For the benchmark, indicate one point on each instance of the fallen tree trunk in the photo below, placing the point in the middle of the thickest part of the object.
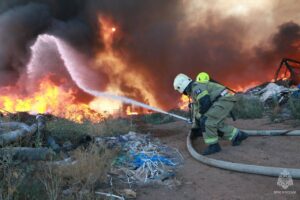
(3, 130)
(27, 153)
(16, 135)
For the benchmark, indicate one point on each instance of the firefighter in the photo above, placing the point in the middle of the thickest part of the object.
(211, 105)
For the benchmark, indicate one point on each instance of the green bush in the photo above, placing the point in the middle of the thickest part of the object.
(111, 127)
(294, 104)
(63, 129)
(157, 118)
(248, 107)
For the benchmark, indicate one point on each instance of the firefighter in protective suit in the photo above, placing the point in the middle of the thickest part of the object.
(211, 105)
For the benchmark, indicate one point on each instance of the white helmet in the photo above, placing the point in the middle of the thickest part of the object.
(181, 81)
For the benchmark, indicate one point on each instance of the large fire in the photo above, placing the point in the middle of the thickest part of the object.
(52, 98)
(57, 100)
(49, 98)
(114, 64)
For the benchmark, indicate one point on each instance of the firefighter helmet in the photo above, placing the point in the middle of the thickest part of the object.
(181, 82)
(202, 77)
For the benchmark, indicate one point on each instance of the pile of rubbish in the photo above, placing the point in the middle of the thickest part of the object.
(273, 92)
(142, 160)
(286, 84)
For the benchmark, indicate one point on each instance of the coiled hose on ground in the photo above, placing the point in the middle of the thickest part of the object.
(246, 168)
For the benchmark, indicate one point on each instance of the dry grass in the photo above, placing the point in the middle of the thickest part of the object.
(11, 176)
(111, 127)
(92, 162)
(90, 168)
(82, 177)
(64, 130)
(51, 181)
(79, 178)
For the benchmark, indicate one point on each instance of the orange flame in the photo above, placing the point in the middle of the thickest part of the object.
(130, 112)
(49, 98)
(114, 64)
(55, 100)
(184, 102)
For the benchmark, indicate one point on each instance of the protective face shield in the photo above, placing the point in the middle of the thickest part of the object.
(181, 82)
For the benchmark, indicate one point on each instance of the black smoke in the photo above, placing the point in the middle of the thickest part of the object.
(154, 40)
(18, 26)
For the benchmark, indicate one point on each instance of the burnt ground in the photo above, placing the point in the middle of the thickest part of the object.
(199, 181)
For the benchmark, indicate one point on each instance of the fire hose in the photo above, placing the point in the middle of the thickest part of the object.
(247, 168)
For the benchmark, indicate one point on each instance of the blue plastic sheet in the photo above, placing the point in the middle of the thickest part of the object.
(140, 159)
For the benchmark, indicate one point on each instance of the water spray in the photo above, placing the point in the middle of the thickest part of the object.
(76, 68)
(133, 102)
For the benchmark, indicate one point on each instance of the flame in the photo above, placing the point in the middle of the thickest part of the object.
(106, 106)
(114, 64)
(59, 101)
(49, 98)
(130, 112)
(184, 102)
(244, 88)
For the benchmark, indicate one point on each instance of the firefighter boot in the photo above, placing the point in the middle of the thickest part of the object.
(211, 149)
(239, 138)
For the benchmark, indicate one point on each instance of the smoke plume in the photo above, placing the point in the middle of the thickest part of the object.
(237, 42)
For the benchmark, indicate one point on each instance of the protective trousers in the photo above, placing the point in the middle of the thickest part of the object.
(215, 122)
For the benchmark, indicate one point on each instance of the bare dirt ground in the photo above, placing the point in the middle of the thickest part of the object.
(199, 181)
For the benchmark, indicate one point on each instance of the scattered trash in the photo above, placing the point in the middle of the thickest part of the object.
(296, 93)
(110, 195)
(66, 161)
(283, 86)
(129, 193)
(272, 90)
(269, 93)
(143, 160)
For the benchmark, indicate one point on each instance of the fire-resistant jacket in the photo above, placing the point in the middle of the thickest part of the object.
(206, 95)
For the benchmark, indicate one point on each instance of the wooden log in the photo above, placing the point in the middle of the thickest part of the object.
(27, 153)
(16, 135)
(13, 125)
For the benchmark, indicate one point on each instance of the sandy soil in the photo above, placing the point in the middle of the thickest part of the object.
(199, 181)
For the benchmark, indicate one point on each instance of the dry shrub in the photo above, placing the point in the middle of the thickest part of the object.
(63, 129)
(90, 168)
(51, 181)
(248, 107)
(294, 104)
(111, 127)
(11, 176)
